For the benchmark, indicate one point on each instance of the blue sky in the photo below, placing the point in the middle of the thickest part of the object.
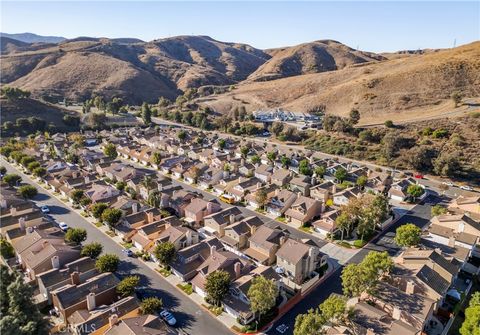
(373, 26)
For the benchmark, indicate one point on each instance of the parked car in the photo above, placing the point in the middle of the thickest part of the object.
(448, 183)
(168, 317)
(418, 176)
(128, 252)
(466, 188)
(45, 209)
(63, 226)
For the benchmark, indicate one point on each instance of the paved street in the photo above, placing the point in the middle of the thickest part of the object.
(192, 319)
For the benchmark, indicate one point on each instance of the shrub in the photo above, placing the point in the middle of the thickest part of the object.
(107, 263)
(27, 191)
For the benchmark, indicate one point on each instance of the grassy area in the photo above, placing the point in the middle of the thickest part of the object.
(98, 224)
(359, 243)
(345, 244)
(281, 219)
(216, 310)
(84, 214)
(260, 210)
(164, 272)
(187, 288)
(111, 233)
(127, 245)
(308, 230)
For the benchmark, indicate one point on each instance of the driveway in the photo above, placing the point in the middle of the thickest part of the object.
(191, 319)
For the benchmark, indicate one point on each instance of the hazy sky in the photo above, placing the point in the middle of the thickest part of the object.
(373, 26)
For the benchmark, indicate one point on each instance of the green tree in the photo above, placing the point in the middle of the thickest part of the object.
(120, 185)
(244, 151)
(334, 309)
(27, 160)
(447, 164)
(255, 159)
(354, 116)
(76, 235)
(285, 162)
(146, 114)
(389, 124)
(261, 197)
(222, 144)
(182, 135)
(457, 98)
(156, 158)
(39, 172)
(97, 209)
(112, 217)
(12, 179)
(151, 305)
(154, 198)
(304, 167)
(262, 295)
(6, 249)
(27, 191)
(415, 191)
(107, 263)
(310, 323)
(341, 174)
(408, 235)
(272, 155)
(217, 286)
(343, 223)
(276, 128)
(22, 316)
(362, 181)
(92, 250)
(164, 252)
(110, 150)
(32, 166)
(471, 324)
(127, 286)
(438, 210)
(76, 195)
(320, 171)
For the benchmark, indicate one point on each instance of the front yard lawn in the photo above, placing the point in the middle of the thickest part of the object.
(127, 245)
(164, 272)
(187, 288)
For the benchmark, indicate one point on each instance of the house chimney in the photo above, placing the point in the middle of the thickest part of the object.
(91, 301)
(253, 229)
(226, 174)
(410, 288)
(3, 203)
(396, 313)
(149, 217)
(277, 191)
(213, 248)
(240, 179)
(87, 179)
(242, 162)
(13, 210)
(209, 207)
(21, 222)
(113, 320)
(237, 267)
(135, 206)
(55, 262)
(451, 241)
(283, 239)
(75, 278)
(259, 185)
(188, 236)
(232, 218)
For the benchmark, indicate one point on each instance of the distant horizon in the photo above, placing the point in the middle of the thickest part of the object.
(376, 26)
(216, 39)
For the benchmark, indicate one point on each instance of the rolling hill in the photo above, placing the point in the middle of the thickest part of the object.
(397, 89)
(33, 38)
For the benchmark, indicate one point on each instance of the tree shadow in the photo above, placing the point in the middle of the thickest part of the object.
(41, 197)
(57, 210)
(169, 300)
(184, 320)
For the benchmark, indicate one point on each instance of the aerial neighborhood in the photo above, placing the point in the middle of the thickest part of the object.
(245, 230)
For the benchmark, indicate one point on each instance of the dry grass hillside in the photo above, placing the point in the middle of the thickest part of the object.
(314, 57)
(396, 89)
(137, 71)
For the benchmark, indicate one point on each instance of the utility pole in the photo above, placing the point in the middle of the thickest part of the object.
(454, 42)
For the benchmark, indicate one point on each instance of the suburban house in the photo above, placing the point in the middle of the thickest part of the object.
(298, 261)
(264, 244)
(459, 223)
(301, 184)
(95, 292)
(324, 191)
(199, 208)
(342, 198)
(243, 187)
(280, 202)
(215, 223)
(264, 173)
(180, 236)
(40, 250)
(466, 204)
(190, 258)
(100, 192)
(398, 190)
(137, 325)
(326, 224)
(303, 210)
(281, 177)
(236, 235)
(219, 260)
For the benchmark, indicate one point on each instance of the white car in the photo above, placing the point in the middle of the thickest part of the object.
(168, 317)
(448, 183)
(63, 226)
(45, 209)
(466, 188)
